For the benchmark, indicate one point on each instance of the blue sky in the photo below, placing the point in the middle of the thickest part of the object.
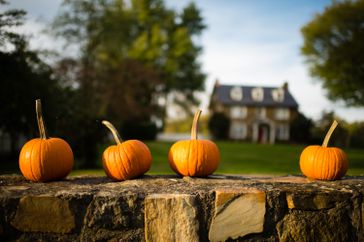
(247, 42)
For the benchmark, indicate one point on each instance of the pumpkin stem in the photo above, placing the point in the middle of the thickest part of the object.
(41, 126)
(195, 125)
(329, 133)
(113, 130)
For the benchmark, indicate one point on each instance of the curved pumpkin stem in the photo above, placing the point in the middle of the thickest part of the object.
(41, 126)
(194, 128)
(329, 133)
(113, 130)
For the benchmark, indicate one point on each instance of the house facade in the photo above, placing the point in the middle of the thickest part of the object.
(258, 114)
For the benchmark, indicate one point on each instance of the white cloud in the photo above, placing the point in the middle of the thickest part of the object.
(41, 40)
(254, 51)
(37, 9)
(38, 39)
(266, 66)
(246, 42)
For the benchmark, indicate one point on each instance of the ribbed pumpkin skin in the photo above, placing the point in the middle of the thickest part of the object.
(46, 159)
(195, 158)
(323, 163)
(127, 160)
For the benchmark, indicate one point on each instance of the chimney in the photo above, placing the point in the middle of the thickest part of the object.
(285, 86)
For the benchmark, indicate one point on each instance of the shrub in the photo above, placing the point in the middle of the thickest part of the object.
(219, 126)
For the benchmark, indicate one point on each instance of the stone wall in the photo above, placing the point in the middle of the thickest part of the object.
(169, 208)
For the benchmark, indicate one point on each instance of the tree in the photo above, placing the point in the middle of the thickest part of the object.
(334, 49)
(115, 33)
(357, 135)
(300, 129)
(340, 137)
(133, 54)
(219, 126)
(9, 19)
(24, 78)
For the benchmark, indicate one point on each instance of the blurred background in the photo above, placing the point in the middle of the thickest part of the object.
(147, 65)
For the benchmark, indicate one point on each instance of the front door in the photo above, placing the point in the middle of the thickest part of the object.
(263, 133)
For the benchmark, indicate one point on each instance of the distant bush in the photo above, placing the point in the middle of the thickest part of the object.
(142, 130)
(357, 135)
(219, 126)
(339, 138)
(300, 129)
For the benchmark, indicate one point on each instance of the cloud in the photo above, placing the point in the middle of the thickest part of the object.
(247, 42)
(38, 39)
(242, 46)
(44, 10)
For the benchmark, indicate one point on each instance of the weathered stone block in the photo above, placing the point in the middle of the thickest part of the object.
(237, 213)
(332, 225)
(114, 212)
(362, 217)
(315, 201)
(43, 214)
(171, 217)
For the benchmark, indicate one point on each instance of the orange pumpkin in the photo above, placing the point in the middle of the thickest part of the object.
(322, 162)
(125, 160)
(196, 158)
(45, 159)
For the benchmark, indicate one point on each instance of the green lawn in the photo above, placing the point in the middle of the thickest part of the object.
(247, 158)
(236, 158)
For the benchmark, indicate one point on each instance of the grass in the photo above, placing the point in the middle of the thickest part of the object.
(243, 158)
(239, 158)
(249, 158)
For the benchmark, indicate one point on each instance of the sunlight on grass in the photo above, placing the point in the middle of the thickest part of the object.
(236, 158)
(245, 158)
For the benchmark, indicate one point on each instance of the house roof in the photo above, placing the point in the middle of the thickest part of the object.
(222, 94)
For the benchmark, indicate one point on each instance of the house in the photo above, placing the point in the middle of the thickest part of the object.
(258, 114)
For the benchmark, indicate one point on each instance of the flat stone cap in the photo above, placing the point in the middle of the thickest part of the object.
(16, 185)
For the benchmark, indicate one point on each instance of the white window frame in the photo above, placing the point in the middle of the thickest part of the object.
(257, 94)
(236, 93)
(238, 112)
(282, 113)
(278, 94)
(238, 130)
(282, 132)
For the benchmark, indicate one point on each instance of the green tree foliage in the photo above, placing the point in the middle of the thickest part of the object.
(339, 138)
(219, 126)
(133, 54)
(300, 129)
(334, 49)
(24, 78)
(145, 34)
(357, 135)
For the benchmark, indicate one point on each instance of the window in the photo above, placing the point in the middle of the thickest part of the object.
(238, 112)
(278, 94)
(282, 113)
(260, 112)
(238, 130)
(282, 132)
(236, 93)
(258, 94)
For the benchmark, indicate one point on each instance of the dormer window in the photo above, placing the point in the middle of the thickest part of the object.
(278, 94)
(236, 93)
(257, 94)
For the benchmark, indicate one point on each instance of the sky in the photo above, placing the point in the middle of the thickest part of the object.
(247, 42)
